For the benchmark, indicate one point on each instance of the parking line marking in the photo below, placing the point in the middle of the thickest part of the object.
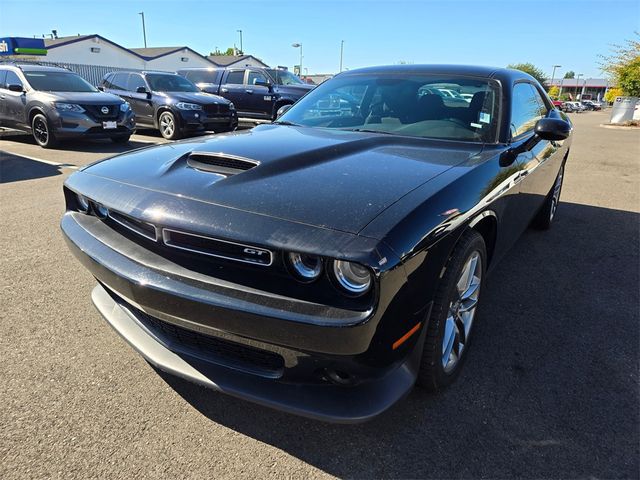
(41, 160)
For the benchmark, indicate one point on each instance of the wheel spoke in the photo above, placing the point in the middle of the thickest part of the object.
(448, 340)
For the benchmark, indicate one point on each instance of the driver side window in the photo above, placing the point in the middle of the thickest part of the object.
(255, 77)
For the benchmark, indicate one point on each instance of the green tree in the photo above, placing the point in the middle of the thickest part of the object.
(570, 74)
(623, 66)
(229, 51)
(629, 78)
(531, 69)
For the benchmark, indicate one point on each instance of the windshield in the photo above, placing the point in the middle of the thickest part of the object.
(401, 104)
(284, 77)
(58, 82)
(159, 82)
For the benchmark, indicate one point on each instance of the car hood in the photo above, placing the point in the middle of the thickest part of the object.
(85, 98)
(295, 89)
(325, 178)
(200, 98)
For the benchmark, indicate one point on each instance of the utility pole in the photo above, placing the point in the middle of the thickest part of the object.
(144, 31)
(299, 45)
(553, 74)
(578, 84)
(341, 52)
(241, 49)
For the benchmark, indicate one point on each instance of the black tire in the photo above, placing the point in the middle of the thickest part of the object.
(432, 375)
(169, 126)
(122, 139)
(41, 131)
(547, 213)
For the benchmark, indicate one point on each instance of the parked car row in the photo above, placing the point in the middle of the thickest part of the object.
(578, 107)
(54, 103)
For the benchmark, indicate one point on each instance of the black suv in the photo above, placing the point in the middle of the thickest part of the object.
(258, 93)
(171, 103)
(54, 103)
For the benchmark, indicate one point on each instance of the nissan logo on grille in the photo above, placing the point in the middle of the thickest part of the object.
(105, 110)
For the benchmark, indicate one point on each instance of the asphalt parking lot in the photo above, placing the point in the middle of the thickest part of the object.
(550, 388)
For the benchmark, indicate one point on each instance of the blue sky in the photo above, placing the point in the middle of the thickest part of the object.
(375, 32)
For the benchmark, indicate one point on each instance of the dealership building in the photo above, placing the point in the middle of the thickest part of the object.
(582, 88)
(93, 56)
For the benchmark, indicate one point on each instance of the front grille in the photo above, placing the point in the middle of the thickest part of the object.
(141, 228)
(218, 163)
(95, 111)
(216, 109)
(216, 247)
(212, 349)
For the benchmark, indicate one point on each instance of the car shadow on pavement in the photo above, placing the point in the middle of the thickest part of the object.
(81, 145)
(14, 168)
(550, 388)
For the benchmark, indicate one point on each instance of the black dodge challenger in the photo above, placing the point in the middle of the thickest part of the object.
(324, 263)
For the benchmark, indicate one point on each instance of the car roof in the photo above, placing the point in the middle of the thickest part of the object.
(506, 75)
(28, 67)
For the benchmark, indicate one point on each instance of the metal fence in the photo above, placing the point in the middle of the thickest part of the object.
(91, 73)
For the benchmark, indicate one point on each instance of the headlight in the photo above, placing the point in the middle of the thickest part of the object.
(83, 203)
(306, 267)
(353, 277)
(188, 106)
(124, 107)
(68, 107)
(231, 106)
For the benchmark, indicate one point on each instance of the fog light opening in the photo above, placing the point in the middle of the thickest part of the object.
(339, 377)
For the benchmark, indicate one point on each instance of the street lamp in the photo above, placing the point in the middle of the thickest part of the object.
(241, 49)
(341, 51)
(144, 31)
(578, 83)
(553, 74)
(299, 45)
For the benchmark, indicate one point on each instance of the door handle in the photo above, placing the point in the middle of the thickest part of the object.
(224, 90)
(249, 91)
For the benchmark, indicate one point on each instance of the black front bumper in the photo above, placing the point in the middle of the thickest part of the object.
(310, 338)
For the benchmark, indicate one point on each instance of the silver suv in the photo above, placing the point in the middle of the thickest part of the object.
(53, 104)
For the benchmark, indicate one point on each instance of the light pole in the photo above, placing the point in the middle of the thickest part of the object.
(553, 75)
(299, 45)
(144, 31)
(341, 52)
(241, 49)
(578, 83)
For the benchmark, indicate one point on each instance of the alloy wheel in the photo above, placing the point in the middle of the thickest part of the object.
(167, 124)
(40, 130)
(462, 310)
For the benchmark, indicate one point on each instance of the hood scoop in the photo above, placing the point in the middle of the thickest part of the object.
(220, 163)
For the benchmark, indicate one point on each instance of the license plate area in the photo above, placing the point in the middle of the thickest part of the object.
(109, 125)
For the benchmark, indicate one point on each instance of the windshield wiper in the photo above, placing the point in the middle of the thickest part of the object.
(365, 130)
(290, 124)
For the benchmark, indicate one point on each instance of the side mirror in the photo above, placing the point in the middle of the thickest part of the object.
(552, 129)
(141, 90)
(14, 87)
(283, 109)
(101, 88)
(261, 83)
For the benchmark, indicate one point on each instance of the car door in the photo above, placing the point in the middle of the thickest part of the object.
(233, 88)
(141, 103)
(543, 169)
(14, 109)
(260, 99)
(526, 110)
